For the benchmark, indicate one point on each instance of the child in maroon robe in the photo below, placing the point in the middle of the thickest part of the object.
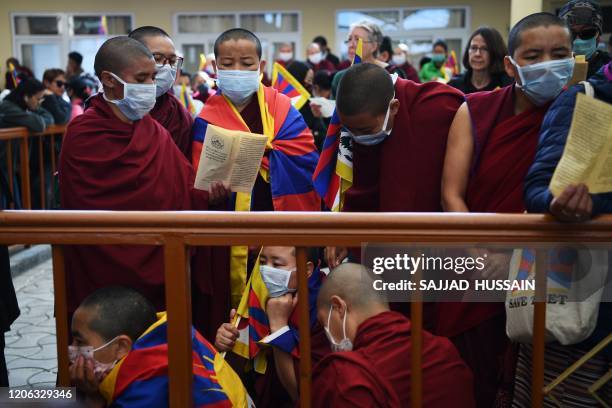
(491, 145)
(371, 365)
(168, 111)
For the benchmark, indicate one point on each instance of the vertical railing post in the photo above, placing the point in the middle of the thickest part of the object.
(416, 345)
(53, 159)
(304, 318)
(24, 166)
(10, 170)
(41, 172)
(61, 315)
(178, 306)
(539, 330)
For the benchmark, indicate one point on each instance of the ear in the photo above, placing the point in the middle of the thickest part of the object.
(338, 304)
(510, 68)
(394, 107)
(124, 346)
(309, 268)
(107, 80)
(262, 66)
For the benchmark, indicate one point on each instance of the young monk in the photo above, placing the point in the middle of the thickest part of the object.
(115, 156)
(370, 366)
(119, 356)
(491, 145)
(279, 385)
(284, 182)
(168, 111)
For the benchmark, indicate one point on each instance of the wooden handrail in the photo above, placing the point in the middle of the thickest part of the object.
(176, 231)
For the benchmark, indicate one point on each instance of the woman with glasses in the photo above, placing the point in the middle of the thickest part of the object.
(54, 81)
(484, 63)
(372, 38)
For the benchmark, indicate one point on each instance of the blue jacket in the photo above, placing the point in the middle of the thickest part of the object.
(553, 135)
(537, 196)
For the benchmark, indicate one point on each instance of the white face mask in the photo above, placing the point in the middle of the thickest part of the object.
(399, 59)
(285, 56)
(166, 75)
(343, 345)
(376, 138)
(100, 369)
(315, 58)
(276, 280)
(238, 85)
(138, 99)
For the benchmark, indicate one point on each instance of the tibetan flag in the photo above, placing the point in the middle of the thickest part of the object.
(141, 378)
(103, 28)
(285, 83)
(202, 62)
(334, 173)
(452, 63)
(186, 100)
(252, 321)
(14, 74)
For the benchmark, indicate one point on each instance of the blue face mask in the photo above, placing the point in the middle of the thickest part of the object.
(166, 75)
(276, 280)
(544, 81)
(238, 85)
(138, 99)
(585, 47)
(376, 138)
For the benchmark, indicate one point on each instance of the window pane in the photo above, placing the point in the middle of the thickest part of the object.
(101, 25)
(433, 18)
(191, 53)
(387, 20)
(36, 25)
(270, 22)
(39, 57)
(87, 47)
(206, 24)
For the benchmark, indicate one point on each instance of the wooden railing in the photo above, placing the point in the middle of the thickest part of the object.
(21, 135)
(177, 231)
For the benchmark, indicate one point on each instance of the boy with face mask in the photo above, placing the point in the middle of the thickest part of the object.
(115, 156)
(491, 146)
(284, 182)
(369, 367)
(119, 356)
(168, 111)
(279, 384)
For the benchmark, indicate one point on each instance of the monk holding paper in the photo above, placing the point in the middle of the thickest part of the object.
(284, 182)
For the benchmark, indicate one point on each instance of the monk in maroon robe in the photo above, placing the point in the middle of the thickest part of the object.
(168, 111)
(371, 367)
(492, 144)
(116, 157)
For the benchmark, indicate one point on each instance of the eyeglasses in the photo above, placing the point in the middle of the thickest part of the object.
(474, 49)
(60, 84)
(585, 34)
(355, 40)
(173, 60)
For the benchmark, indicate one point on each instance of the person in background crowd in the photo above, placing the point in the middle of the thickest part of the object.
(55, 82)
(484, 63)
(371, 346)
(321, 87)
(435, 69)
(15, 72)
(22, 107)
(200, 86)
(304, 75)
(316, 60)
(386, 50)
(73, 68)
(372, 38)
(327, 54)
(574, 204)
(491, 145)
(424, 60)
(584, 18)
(286, 54)
(400, 59)
(79, 89)
(119, 356)
(168, 110)
(184, 78)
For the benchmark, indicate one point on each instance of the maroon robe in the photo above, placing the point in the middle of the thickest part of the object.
(377, 372)
(107, 164)
(172, 115)
(323, 65)
(504, 148)
(411, 72)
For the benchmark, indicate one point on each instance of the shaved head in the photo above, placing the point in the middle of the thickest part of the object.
(364, 88)
(354, 284)
(118, 53)
(147, 31)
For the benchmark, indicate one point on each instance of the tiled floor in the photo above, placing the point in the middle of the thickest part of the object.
(31, 353)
